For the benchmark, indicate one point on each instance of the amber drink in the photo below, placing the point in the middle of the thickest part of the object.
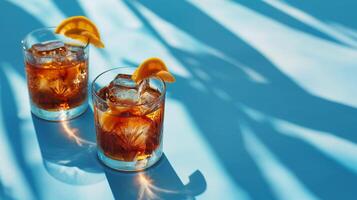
(57, 75)
(129, 119)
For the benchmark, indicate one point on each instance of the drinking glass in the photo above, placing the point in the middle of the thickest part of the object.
(57, 74)
(128, 119)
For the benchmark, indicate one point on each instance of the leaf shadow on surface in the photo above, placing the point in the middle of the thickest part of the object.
(321, 9)
(341, 12)
(5, 193)
(218, 116)
(12, 34)
(70, 8)
(15, 135)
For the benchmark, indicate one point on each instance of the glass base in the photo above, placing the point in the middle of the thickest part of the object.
(131, 166)
(59, 115)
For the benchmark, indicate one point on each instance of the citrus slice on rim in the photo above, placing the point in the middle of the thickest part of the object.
(80, 28)
(152, 67)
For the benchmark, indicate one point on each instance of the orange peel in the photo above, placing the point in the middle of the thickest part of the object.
(80, 28)
(153, 67)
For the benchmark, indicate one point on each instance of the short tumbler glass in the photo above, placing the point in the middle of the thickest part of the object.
(57, 74)
(129, 119)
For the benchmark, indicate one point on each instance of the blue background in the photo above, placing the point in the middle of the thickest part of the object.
(264, 106)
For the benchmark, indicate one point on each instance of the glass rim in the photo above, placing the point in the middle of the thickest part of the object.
(23, 41)
(94, 93)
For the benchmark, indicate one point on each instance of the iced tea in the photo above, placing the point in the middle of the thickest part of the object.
(57, 81)
(129, 120)
(57, 74)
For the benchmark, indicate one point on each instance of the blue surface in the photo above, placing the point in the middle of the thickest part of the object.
(264, 106)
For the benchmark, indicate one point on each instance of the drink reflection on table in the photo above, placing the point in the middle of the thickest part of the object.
(68, 149)
(158, 182)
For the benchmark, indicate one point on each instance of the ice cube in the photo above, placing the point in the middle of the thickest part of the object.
(123, 90)
(123, 80)
(74, 48)
(103, 93)
(48, 52)
(149, 96)
(49, 49)
(148, 102)
(143, 85)
(118, 94)
(75, 52)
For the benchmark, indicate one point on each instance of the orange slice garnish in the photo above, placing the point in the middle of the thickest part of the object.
(80, 28)
(152, 67)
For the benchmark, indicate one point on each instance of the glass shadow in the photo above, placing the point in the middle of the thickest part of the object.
(68, 149)
(158, 182)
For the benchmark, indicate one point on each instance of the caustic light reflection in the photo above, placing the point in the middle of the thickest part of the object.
(73, 133)
(147, 189)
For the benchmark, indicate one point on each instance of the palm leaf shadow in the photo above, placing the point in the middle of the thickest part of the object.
(14, 134)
